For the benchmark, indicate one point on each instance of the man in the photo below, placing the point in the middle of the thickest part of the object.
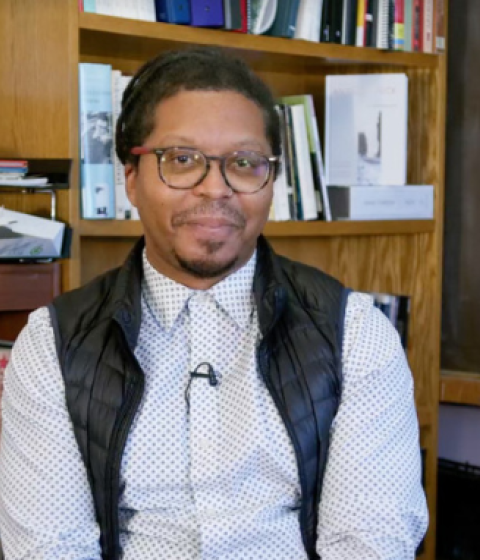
(185, 405)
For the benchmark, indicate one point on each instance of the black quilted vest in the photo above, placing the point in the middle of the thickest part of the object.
(301, 312)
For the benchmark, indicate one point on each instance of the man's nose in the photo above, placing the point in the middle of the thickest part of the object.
(214, 185)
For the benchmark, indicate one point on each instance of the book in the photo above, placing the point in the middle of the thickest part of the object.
(281, 190)
(173, 11)
(308, 22)
(417, 25)
(383, 24)
(316, 154)
(123, 207)
(288, 158)
(285, 19)
(366, 129)
(428, 17)
(207, 13)
(308, 205)
(96, 141)
(262, 14)
(399, 26)
(232, 11)
(336, 21)
(440, 26)
(360, 32)
(358, 202)
(408, 25)
(349, 22)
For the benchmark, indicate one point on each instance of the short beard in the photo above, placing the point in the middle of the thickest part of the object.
(207, 268)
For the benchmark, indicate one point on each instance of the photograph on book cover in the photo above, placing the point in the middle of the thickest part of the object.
(97, 137)
(369, 146)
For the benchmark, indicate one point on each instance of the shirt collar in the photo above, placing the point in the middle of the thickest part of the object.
(167, 299)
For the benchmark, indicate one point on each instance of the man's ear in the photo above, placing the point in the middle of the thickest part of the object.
(131, 183)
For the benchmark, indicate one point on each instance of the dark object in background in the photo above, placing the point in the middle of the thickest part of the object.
(458, 511)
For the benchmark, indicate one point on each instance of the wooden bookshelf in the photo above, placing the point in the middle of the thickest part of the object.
(43, 43)
(128, 228)
(459, 387)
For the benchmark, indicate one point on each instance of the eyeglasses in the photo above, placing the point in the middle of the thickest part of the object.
(185, 168)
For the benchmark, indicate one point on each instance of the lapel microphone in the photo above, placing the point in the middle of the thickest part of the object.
(205, 370)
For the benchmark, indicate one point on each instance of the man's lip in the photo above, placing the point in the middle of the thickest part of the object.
(210, 222)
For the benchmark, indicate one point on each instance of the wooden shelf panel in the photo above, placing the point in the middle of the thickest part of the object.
(425, 417)
(460, 388)
(120, 228)
(107, 32)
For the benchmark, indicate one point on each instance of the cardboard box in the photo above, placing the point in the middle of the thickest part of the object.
(30, 237)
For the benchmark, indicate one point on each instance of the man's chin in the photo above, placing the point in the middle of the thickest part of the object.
(207, 266)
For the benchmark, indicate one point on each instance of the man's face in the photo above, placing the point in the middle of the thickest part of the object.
(198, 236)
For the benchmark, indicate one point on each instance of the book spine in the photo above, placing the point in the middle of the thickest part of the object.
(368, 38)
(304, 165)
(281, 191)
(428, 26)
(440, 26)
(411, 202)
(408, 25)
(360, 34)
(96, 141)
(122, 204)
(399, 29)
(89, 6)
(417, 25)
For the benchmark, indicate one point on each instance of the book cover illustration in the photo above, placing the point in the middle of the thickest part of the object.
(366, 129)
(96, 141)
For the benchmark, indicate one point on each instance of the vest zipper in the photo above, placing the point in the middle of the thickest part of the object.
(262, 357)
(132, 400)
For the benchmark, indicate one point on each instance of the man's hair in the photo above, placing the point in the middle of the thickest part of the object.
(194, 69)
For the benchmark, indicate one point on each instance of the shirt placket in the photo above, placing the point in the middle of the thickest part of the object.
(204, 415)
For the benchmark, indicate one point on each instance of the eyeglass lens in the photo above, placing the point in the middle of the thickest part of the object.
(183, 168)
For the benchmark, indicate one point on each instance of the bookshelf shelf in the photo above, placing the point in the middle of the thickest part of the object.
(118, 228)
(460, 388)
(109, 34)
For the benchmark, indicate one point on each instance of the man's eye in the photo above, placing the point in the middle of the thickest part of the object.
(243, 162)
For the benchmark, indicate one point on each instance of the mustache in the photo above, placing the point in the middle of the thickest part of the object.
(212, 209)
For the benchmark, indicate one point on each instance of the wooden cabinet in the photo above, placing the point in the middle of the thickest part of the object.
(46, 40)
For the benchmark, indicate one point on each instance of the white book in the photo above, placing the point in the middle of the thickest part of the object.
(366, 129)
(428, 26)
(281, 188)
(410, 202)
(382, 24)
(304, 165)
(123, 207)
(146, 10)
(128, 8)
(309, 20)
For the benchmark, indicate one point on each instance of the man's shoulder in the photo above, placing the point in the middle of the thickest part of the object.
(311, 284)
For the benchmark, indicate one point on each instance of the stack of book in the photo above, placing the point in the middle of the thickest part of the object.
(409, 25)
(12, 170)
(366, 150)
(102, 176)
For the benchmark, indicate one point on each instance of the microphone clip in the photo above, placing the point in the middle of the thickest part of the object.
(207, 373)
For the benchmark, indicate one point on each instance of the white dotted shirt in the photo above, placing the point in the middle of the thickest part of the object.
(218, 481)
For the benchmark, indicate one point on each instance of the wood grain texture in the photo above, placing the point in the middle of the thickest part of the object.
(459, 387)
(128, 228)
